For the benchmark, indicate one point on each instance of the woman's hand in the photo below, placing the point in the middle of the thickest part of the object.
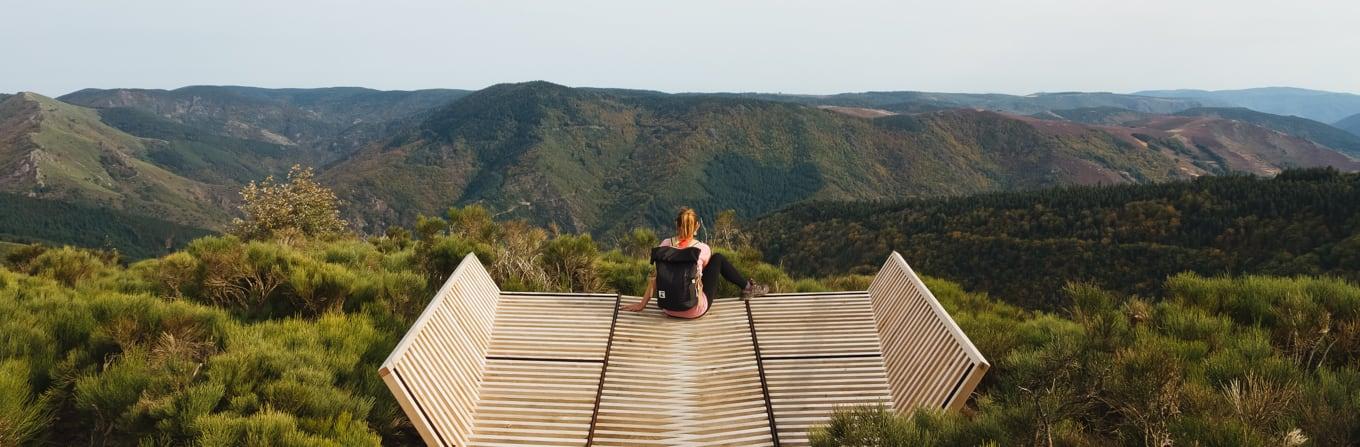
(634, 307)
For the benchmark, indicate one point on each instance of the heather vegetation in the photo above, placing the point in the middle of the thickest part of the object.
(274, 338)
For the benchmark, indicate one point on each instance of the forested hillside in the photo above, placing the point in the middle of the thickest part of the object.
(194, 153)
(605, 160)
(1022, 247)
(57, 151)
(1321, 133)
(30, 220)
(308, 118)
(1302, 128)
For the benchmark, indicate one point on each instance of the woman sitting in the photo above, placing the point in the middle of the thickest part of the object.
(710, 266)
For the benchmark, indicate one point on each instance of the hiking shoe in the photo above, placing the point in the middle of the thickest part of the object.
(754, 290)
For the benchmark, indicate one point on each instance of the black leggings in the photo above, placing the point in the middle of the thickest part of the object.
(719, 265)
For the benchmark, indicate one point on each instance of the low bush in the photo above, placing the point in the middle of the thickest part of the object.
(1220, 361)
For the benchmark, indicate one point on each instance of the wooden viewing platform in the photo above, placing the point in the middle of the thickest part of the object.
(482, 367)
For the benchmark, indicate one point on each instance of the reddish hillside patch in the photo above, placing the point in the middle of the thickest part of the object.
(858, 111)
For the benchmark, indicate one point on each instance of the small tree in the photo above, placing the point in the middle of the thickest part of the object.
(639, 243)
(301, 207)
(727, 233)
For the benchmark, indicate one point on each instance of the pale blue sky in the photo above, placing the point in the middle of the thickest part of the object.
(57, 46)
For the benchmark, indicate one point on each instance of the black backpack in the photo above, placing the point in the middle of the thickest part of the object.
(677, 277)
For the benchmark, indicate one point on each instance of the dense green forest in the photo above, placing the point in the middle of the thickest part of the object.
(1023, 247)
(30, 220)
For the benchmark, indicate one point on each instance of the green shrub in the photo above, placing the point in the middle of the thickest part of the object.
(66, 264)
(237, 275)
(106, 396)
(269, 427)
(571, 261)
(624, 274)
(473, 222)
(639, 243)
(18, 258)
(402, 293)
(518, 263)
(440, 255)
(878, 426)
(170, 275)
(22, 417)
(320, 287)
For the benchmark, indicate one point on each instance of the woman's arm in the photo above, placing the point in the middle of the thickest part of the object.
(646, 297)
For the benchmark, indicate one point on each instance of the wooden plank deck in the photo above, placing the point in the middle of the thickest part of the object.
(804, 392)
(820, 351)
(674, 382)
(483, 367)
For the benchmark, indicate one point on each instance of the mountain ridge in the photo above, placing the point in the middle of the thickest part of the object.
(918, 101)
(555, 154)
(1350, 124)
(1318, 105)
(1303, 128)
(606, 160)
(51, 149)
(303, 117)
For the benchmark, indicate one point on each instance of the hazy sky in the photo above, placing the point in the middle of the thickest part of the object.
(57, 46)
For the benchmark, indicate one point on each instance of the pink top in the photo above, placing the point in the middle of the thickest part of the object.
(705, 252)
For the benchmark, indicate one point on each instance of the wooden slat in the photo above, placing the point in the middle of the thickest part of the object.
(674, 382)
(803, 325)
(804, 392)
(930, 362)
(438, 364)
(536, 403)
(552, 326)
(820, 352)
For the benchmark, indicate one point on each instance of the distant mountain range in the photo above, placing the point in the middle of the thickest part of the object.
(911, 102)
(1317, 105)
(1350, 124)
(1322, 134)
(605, 160)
